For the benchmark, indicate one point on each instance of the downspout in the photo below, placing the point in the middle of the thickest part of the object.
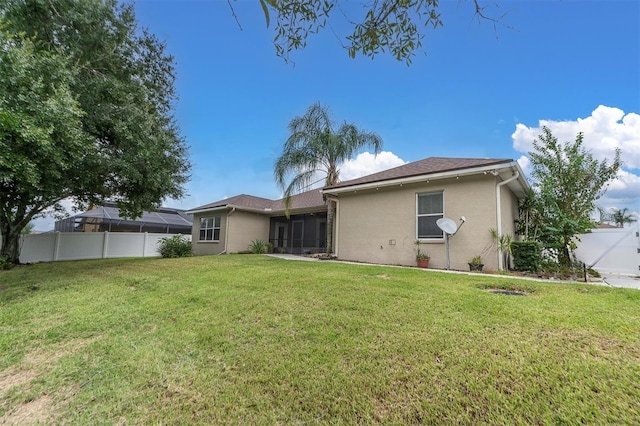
(335, 224)
(226, 232)
(499, 215)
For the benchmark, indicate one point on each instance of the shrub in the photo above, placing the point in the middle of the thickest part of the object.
(526, 255)
(259, 247)
(176, 246)
(5, 264)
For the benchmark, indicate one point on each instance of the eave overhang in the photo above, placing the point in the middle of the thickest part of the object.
(520, 186)
(264, 211)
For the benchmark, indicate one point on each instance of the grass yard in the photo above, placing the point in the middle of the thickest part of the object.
(256, 340)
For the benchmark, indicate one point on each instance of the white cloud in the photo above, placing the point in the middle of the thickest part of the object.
(364, 164)
(623, 191)
(606, 129)
(367, 163)
(525, 164)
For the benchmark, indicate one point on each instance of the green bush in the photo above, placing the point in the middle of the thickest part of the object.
(176, 246)
(5, 264)
(259, 247)
(526, 255)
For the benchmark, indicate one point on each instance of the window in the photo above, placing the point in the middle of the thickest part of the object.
(210, 228)
(430, 207)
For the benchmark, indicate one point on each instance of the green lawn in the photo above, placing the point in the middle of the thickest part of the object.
(255, 340)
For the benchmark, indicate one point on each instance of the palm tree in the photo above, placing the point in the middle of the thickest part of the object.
(314, 146)
(529, 219)
(622, 216)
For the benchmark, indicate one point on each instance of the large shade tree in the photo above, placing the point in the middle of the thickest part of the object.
(86, 112)
(567, 181)
(316, 147)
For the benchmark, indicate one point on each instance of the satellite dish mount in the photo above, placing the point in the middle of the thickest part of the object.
(449, 228)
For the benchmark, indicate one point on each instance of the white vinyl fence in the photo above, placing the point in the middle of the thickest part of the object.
(614, 250)
(88, 245)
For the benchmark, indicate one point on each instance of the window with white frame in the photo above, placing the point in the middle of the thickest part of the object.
(429, 208)
(210, 228)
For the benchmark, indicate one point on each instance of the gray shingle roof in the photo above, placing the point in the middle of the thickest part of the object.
(427, 166)
(305, 200)
(242, 200)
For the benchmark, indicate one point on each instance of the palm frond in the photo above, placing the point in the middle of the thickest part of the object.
(299, 183)
(313, 145)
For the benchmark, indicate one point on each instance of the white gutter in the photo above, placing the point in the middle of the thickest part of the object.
(266, 211)
(335, 224)
(499, 215)
(229, 206)
(226, 231)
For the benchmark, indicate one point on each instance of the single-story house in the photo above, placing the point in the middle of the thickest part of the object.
(230, 225)
(106, 217)
(379, 217)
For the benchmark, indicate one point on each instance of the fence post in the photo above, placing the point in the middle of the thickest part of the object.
(105, 244)
(144, 244)
(56, 246)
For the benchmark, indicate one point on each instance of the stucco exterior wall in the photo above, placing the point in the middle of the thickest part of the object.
(379, 226)
(243, 228)
(237, 230)
(509, 212)
(208, 247)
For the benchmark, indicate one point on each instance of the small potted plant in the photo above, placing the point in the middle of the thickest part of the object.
(475, 264)
(422, 258)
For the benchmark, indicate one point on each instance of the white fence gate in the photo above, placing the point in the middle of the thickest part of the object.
(615, 250)
(88, 245)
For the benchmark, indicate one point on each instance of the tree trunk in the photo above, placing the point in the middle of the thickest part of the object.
(331, 211)
(10, 249)
(565, 254)
(566, 257)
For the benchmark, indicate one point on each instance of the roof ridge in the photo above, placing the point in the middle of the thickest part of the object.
(247, 195)
(425, 166)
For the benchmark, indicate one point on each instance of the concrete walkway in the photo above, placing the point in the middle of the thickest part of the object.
(292, 257)
(621, 281)
(612, 280)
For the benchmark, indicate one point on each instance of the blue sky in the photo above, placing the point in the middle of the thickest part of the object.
(560, 61)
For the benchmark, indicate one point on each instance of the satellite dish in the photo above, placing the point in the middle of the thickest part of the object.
(449, 228)
(447, 225)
